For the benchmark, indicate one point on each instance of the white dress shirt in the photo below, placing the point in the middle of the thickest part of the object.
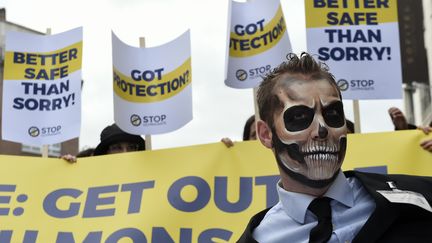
(290, 220)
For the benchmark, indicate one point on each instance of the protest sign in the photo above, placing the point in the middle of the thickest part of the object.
(258, 42)
(204, 193)
(42, 87)
(152, 86)
(359, 41)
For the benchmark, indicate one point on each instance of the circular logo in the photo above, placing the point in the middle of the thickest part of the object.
(135, 120)
(33, 131)
(241, 75)
(343, 84)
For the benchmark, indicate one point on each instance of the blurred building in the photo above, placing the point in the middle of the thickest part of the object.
(415, 28)
(11, 148)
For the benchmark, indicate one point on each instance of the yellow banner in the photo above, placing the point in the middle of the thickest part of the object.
(157, 89)
(43, 65)
(191, 194)
(323, 13)
(399, 152)
(247, 45)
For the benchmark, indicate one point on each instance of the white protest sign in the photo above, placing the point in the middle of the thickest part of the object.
(42, 87)
(152, 86)
(359, 41)
(258, 42)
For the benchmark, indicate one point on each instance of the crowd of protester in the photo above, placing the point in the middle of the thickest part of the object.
(318, 202)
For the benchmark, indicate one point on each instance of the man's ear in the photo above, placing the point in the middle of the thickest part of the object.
(264, 134)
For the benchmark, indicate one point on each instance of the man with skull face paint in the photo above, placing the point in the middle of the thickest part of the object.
(303, 122)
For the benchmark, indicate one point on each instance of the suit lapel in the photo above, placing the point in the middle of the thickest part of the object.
(253, 223)
(385, 213)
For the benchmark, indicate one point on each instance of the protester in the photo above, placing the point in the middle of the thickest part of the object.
(399, 120)
(249, 132)
(350, 126)
(400, 123)
(304, 124)
(112, 140)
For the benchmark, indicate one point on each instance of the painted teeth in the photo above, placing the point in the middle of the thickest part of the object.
(315, 148)
(321, 157)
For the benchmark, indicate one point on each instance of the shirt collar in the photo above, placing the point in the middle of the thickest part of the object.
(296, 204)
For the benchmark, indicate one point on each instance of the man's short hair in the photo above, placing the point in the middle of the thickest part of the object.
(303, 67)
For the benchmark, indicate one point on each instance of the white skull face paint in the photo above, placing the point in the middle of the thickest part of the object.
(310, 131)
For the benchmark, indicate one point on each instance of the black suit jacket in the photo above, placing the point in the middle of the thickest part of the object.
(390, 222)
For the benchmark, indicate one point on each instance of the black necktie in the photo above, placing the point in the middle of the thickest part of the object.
(323, 230)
